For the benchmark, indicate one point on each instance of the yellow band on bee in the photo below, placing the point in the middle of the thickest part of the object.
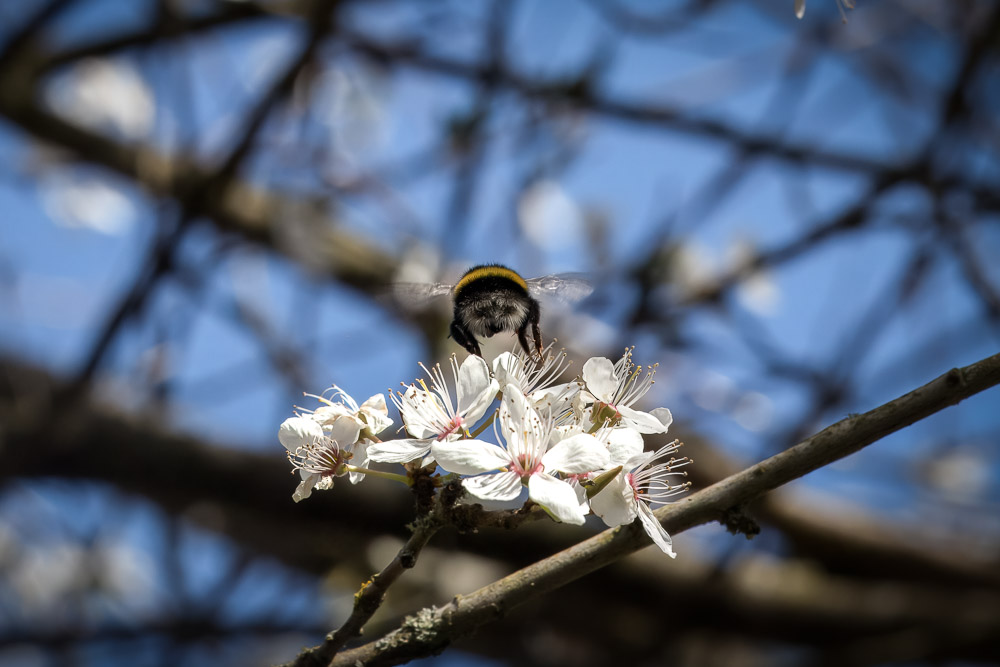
(490, 272)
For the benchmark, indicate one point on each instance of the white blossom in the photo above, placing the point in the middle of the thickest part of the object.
(537, 380)
(430, 415)
(559, 442)
(100, 93)
(640, 483)
(611, 390)
(622, 443)
(318, 452)
(372, 414)
(372, 417)
(526, 459)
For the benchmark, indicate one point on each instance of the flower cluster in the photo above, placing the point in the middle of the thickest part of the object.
(332, 440)
(572, 448)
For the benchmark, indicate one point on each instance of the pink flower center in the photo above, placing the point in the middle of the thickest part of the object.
(525, 467)
(631, 482)
(454, 426)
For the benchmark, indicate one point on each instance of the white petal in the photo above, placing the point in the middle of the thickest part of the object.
(469, 457)
(599, 374)
(643, 422)
(557, 398)
(560, 433)
(399, 451)
(377, 404)
(519, 421)
(418, 407)
(623, 443)
(655, 531)
(615, 503)
(576, 454)
(664, 416)
(582, 400)
(376, 414)
(512, 408)
(326, 414)
(305, 487)
(556, 497)
(376, 423)
(508, 369)
(498, 486)
(481, 404)
(360, 459)
(800, 8)
(344, 431)
(298, 432)
(639, 460)
(476, 389)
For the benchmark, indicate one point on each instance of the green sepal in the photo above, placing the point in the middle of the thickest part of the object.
(596, 485)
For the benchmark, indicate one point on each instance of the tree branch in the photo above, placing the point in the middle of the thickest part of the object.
(432, 629)
(369, 598)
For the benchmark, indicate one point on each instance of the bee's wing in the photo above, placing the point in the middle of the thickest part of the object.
(419, 295)
(561, 287)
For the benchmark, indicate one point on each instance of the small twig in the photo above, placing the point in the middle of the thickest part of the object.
(484, 425)
(369, 598)
(446, 511)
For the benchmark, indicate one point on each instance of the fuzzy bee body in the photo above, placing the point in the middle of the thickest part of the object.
(491, 298)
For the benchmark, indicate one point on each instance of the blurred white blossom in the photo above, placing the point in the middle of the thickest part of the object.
(352, 105)
(753, 411)
(80, 200)
(47, 575)
(549, 216)
(103, 93)
(842, 7)
(696, 268)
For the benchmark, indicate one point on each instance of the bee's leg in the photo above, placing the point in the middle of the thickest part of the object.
(522, 338)
(465, 338)
(534, 315)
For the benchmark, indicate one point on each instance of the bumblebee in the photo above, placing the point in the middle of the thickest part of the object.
(490, 298)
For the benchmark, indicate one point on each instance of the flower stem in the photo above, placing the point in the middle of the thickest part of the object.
(482, 427)
(378, 473)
